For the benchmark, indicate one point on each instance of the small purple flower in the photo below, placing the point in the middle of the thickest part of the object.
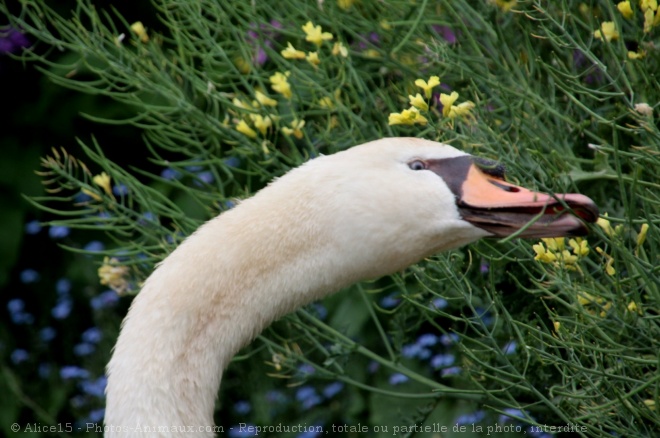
(484, 267)
(242, 407)
(19, 356)
(415, 351)
(11, 40)
(446, 32)
(29, 276)
(398, 378)
(333, 389)
(442, 360)
(16, 305)
(73, 372)
(33, 227)
(205, 177)
(17, 313)
(58, 231)
(451, 371)
(308, 397)
(373, 367)
(306, 370)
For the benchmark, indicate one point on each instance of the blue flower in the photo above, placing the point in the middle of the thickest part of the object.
(44, 370)
(16, 305)
(442, 360)
(94, 246)
(62, 309)
(33, 227)
(509, 413)
(439, 303)
(320, 310)
(16, 312)
(95, 388)
(205, 177)
(170, 174)
(242, 407)
(306, 369)
(63, 286)
(427, 340)
(58, 231)
(390, 301)
(509, 347)
(415, 350)
(308, 397)
(73, 372)
(97, 415)
(373, 367)
(83, 349)
(485, 316)
(333, 389)
(104, 300)
(47, 334)
(92, 335)
(451, 371)
(120, 190)
(232, 162)
(471, 418)
(19, 356)
(274, 396)
(29, 276)
(448, 339)
(398, 378)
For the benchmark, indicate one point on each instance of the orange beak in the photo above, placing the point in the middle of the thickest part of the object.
(487, 201)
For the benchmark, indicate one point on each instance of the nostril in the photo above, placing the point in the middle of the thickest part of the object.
(505, 187)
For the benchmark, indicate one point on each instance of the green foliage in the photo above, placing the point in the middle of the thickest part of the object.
(561, 336)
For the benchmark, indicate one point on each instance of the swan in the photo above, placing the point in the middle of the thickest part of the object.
(362, 213)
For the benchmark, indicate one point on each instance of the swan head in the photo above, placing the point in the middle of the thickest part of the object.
(394, 201)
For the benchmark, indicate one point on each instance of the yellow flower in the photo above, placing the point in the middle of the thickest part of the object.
(261, 123)
(609, 269)
(625, 9)
(407, 117)
(636, 55)
(418, 102)
(645, 5)
(291, 53)
(641, 237)
(568, 258)
(345, 4)
(313, 58)
(506, 5)
(326, 102)
(460, 110)
(632, 307)
(139, 30)
(281, 84)
(557, 326)
(111, 274)
(607, 31)
(240, 104)
(651, 19)
(103, 180)
(339, 49)
(434, 81)
(386, 25)
(604, 224)
(315, 34)
(447, 100)
(244, 128)
(650, 404)
(242, 65)
(543, 255)
(264, 100)
(295, 129)
(580, 247)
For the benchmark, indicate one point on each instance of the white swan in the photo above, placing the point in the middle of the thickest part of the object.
(362, 213)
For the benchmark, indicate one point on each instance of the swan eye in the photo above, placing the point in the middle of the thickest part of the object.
(417, 165)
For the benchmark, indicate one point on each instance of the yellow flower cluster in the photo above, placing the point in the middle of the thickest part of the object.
(315, 35)
(102, 180)
(553, 250)
(587, 300)
(649, 9)
(113, 275)
(418, 104)
(607, 32)
(259, 122)
(138, 29)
